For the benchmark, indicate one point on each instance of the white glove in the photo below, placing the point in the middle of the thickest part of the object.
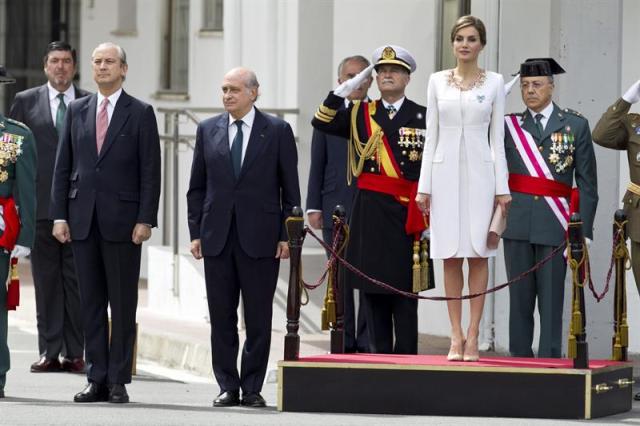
(508, 86)
(20, 251)
(347, 87)
(1, 218)
(632, 95)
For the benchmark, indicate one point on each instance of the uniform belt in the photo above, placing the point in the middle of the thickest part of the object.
(632, 187)
(405, 192)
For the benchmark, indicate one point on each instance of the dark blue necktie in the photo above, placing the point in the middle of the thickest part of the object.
(236, 149)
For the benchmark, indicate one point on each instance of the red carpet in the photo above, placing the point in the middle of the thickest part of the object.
(441, 361)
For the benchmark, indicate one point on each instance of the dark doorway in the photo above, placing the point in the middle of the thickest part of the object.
(30, 26)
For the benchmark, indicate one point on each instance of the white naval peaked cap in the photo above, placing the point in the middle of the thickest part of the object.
(395, 55)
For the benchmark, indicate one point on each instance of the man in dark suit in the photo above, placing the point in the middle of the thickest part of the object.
(328, 187)
(106, 189)
(244, 184)
(43, 109)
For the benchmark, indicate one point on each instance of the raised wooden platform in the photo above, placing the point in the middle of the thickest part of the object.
(431, 385)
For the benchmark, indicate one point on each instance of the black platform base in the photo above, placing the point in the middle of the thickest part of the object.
(429, 385)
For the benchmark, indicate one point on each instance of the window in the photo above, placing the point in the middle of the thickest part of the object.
(212, 15)
(175, 75)
(450, 11)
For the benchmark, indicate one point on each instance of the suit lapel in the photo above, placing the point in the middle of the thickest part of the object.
(220, 141)
(530, 126)
(556, 122)
(257, 141)
(119, 118)
(44, 108)
(88, 118)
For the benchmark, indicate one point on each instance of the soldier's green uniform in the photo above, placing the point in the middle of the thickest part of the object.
(617, 129)
(17, 179)
(533, 231)
(536, 221)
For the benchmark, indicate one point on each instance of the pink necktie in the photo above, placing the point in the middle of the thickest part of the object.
(102, 123)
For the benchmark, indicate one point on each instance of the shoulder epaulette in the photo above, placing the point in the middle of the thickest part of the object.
(17, 123)
(573, 112)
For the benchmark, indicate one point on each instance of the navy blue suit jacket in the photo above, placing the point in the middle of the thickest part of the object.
(32, 107)
(122, 184)
(327, 185)
(260, 199)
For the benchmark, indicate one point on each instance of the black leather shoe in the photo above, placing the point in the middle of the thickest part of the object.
(73, 365)
(227, 399)
(254, 400)
(118, 394)
(1, 393)
(94, 392)
(637, 397)
(46, 365)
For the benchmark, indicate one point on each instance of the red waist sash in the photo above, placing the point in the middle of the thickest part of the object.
(405, 192)
(11, 223)
(546, 188)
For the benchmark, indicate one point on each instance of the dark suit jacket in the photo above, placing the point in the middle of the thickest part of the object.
(122, 184)
(327, 185)
(262, 196)
(32, 107)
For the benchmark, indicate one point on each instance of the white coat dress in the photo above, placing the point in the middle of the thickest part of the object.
(464, 165)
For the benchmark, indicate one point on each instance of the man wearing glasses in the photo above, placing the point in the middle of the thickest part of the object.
(546, 148)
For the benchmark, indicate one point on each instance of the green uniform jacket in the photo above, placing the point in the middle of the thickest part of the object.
(530, 217)
(18, 179)
(619, 130)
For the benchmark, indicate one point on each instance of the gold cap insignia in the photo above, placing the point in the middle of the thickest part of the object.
(388, 53)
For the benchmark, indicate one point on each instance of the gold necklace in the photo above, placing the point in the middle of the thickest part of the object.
(477, 82)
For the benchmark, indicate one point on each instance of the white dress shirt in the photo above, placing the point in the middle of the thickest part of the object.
(546, 113)
(247, 124)
(54, 102)
(397, 104)
(113, 98)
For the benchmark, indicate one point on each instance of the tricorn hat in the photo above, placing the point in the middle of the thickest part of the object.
(540, 67)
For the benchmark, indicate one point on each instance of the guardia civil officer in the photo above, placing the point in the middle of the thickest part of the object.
(547, 147)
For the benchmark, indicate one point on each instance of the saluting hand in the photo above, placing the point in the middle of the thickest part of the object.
(424, 202)
(347, 87)
(632, 95)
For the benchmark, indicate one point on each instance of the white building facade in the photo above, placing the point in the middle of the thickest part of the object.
(179, 50)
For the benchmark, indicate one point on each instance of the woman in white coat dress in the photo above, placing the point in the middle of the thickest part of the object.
(464, 175)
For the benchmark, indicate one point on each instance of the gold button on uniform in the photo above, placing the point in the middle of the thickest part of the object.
(540, 148)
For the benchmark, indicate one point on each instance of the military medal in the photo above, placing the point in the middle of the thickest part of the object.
(562, 149)
(10, 149)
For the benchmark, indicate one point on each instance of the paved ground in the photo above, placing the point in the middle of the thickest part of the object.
(162, 394)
